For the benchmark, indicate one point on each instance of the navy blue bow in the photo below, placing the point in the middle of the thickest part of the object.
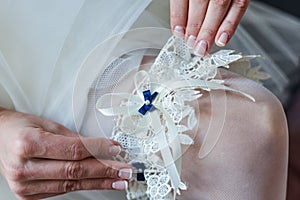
(148, 102)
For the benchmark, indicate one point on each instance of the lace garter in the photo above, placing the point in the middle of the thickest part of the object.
(150, 125)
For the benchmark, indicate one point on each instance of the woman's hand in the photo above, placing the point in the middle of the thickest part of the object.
(40, 158)
(202, 22)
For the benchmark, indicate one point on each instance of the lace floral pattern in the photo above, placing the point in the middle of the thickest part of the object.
(158, 181)
(152, 121)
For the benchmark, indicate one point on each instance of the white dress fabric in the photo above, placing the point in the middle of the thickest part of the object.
(43, 44)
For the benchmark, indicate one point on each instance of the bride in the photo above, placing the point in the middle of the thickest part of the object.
(40, 56)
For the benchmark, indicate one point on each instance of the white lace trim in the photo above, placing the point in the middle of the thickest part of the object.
(150, 125)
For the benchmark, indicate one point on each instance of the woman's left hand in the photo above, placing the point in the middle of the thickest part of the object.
(202, 22)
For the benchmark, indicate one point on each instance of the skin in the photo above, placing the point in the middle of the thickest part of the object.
(40, 158)
(206, 21)
(249, 160)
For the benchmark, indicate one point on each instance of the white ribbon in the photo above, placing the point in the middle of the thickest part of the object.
(169, 142)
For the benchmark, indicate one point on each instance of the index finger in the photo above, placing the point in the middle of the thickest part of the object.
(59, 147)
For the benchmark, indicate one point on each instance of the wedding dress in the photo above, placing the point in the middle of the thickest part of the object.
(43, 46)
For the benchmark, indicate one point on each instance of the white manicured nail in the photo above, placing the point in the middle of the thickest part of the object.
(125, 173)
(120, 185)
(201, 48)
(191, 41)
(115, 150)
(223, 39)
(179, 31)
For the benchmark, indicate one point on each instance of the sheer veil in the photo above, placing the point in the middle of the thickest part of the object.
(43, 45)
(52, 46)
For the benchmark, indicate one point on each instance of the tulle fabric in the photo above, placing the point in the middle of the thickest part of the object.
(264, 31)
(274, 35)
(43, 45)
(232, 165)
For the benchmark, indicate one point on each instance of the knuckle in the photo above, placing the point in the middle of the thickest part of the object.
(110, 172)
(69, 186)
(194, 26)
(207, 33)
(221, 3)
(106, 184)
(18, 188)
(24, 144)
(16, 172)
(74, 170)
(229, 27)
(242, 4)
(230, 23)
(77, 151)
(53, 126)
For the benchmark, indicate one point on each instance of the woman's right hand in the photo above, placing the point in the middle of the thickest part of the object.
(40, 158)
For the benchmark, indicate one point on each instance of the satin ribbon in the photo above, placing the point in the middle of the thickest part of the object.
(153, 102)
(148, 106)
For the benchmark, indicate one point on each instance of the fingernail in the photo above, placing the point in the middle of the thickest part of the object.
(115, 150)
(125, 173)
(223, 39)
(191, 41)
(179, 31)
(201, 48)
(120, 185)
